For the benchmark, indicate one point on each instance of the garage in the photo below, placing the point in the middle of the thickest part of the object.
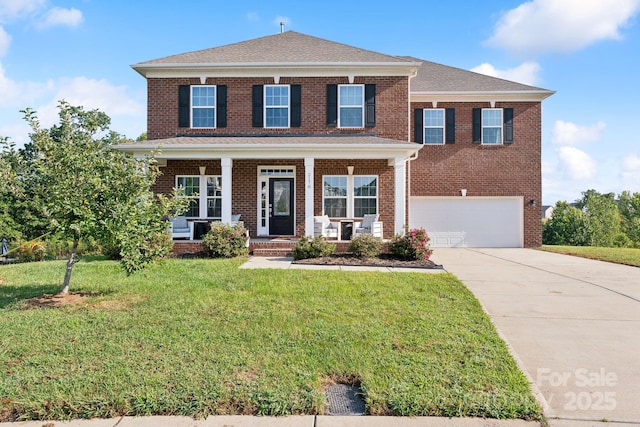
(475, 222)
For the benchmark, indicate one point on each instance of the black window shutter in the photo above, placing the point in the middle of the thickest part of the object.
(296, 106)
(450, 126)
(332, 105)
(184, 104)
(258, 119)
(221, 106)
(418, 126)
(370, 105)
(507, 117)
(477, 125)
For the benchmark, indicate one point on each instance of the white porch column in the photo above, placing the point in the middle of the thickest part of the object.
(308, 195)
(226, 164)
(399, 166)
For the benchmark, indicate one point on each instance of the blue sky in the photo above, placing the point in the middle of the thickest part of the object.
(586, 50)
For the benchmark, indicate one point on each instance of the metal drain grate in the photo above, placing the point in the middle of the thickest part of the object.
(345, 399)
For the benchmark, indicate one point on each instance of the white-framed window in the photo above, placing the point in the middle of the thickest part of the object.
(205, 193)
(203, 106)
(277, 102)
(434, 129)
(365, 195)
(351, 106)
(334, 196)
(492, 126)
(349, 196)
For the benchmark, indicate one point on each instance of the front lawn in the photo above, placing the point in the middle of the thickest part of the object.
(200, 337)
(628, 256)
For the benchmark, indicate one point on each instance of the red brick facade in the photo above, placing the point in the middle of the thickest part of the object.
(504, 170)
(501, 170)
(391, 105)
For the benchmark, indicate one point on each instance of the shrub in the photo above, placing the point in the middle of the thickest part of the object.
(225, 241)
(414, 245)
(31, 251)
(312, 247)
(365, 246)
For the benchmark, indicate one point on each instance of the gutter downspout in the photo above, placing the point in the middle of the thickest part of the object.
(415, 156)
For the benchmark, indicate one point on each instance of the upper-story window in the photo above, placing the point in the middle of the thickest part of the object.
(493, 126)
(276, 106)
(351, 106)
(434, 126)
(203, 106)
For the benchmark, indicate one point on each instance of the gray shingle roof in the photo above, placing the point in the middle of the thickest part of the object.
(433, 77)
(286, 140)
(287, 47)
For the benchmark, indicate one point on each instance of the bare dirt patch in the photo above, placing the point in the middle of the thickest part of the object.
(382, 260)
(60, 300)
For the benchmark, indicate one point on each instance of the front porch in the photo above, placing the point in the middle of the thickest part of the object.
(281, 184)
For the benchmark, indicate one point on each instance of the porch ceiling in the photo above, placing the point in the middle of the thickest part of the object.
(274, 147)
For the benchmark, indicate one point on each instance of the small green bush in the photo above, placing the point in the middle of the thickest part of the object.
(225, 241)
(312, 247)
(414, 245)
(621, 240)
(365, 246)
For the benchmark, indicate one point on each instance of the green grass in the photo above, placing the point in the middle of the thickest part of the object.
(627, 256)
(200, 337)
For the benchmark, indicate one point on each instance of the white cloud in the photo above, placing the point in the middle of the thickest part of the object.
(14, 9)
(567, 133)
(127, 113)
(577, 163)
(253, 17)
(60, 16)
(90, 94)
(5, 41)
(20, 94)
(631, 170)
(561, 25)
(525, 73)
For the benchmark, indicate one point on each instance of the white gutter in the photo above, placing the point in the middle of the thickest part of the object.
(272, 151)
(243, 69)
(482, 96)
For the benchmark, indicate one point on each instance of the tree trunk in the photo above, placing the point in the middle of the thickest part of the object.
(70, 262)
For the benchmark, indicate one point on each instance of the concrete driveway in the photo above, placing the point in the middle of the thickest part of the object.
(573, 324)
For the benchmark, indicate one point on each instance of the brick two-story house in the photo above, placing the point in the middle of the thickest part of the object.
(287, 127)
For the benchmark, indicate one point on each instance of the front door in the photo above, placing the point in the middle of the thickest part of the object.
(281, 213)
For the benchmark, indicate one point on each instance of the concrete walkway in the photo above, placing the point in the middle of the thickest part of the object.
(572, 323)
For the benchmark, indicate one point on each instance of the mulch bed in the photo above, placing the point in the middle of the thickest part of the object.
(382, 260)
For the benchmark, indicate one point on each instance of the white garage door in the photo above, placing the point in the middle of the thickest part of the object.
(480, 222)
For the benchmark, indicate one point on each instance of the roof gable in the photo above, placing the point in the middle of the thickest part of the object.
(287, 47)
(437, 78)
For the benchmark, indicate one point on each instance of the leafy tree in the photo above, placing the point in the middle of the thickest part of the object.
(565, 227)
(9, 227)
(629, 208)
(86, 189)
(601, 218)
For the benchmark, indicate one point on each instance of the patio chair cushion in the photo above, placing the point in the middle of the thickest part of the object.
(368, 220)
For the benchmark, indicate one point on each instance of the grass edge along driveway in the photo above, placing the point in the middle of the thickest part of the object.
(202, 337)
